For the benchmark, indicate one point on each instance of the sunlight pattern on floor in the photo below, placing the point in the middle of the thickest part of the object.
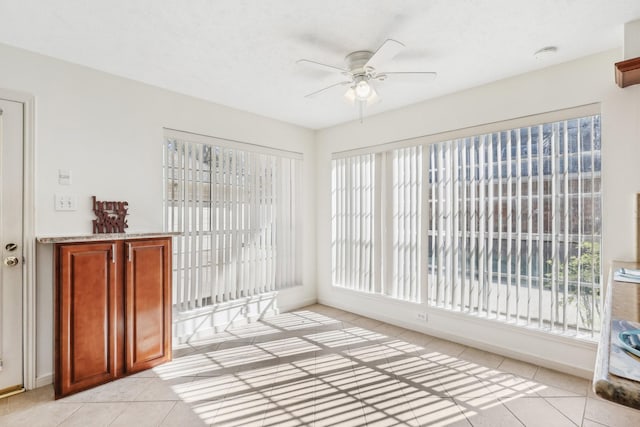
(321, 366)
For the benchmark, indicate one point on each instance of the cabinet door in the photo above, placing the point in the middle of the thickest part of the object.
(147, 303)
(86, 315)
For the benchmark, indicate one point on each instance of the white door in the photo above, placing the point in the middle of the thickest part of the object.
(11, 147)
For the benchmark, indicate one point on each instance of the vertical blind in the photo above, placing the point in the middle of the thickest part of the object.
(403, 216)
(239, 210)
(505, 225)
(354, 222)
(514, 230)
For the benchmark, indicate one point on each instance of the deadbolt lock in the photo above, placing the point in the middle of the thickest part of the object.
(11, 261)
(11, 247)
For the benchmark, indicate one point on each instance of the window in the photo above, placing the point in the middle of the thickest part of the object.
(238, 206)
(504, 224)
(514, 225)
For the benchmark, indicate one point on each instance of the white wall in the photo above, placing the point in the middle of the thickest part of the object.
(583, 81)
(108, 131)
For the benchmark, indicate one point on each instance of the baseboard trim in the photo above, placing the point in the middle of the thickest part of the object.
(43, 380)
(297, 305)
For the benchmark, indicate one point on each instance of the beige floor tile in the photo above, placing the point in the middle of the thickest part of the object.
(245, 410)
(506, 386)
(435, 411)
(388, 412)
(338, 409)
(122, 390)
(336, 339)
(206, 410)
(147, 373)
(390, 330)
(611, 414)
(303, 388)
(182, 415)
(328, 363)
(589, 423)
(289, 413)
(294, 380)
(571, 407)
(44, 414)
(183, 350)
(417, 338)
(4, 406)
(517, 367)
(385, 404)
(439, 346)
(142, 414)
(460, 384)
(424, 383)
(95, 414)
(28, 399)
(344, 316)
(488, 414)
(159, 390)
(366, 323)
(188, 366)
(533, 412)
(209, 388)
(560, 384)
(369, 353)
(481, 357)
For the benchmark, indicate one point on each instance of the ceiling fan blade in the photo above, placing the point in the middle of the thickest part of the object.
(320, 66)
(389, 49)
(312, 94)
(413, 75)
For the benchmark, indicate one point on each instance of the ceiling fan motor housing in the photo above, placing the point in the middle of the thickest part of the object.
(356, 62)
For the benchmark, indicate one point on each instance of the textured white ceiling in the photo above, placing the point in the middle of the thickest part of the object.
(243, 53)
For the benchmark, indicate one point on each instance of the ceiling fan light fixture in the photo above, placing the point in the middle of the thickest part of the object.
(362, 90)
(350, 95)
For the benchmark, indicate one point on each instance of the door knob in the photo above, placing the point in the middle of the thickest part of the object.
(11, 261)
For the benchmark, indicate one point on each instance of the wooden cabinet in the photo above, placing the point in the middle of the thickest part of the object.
(147, 305)
(113, 310)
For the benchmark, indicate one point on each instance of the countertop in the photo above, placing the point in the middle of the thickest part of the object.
(622, 302)
(106, 236)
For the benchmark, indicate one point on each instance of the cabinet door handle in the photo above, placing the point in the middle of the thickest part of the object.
(130, 252)
(113, 253)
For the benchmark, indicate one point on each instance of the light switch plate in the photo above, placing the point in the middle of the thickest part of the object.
(66, 202)
(64, 177)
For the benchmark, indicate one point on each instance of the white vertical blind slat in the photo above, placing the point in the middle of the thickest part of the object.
(554, 224)
(491, 219)
(499, 256)
(519, 237)
(464, 225)
(474, 216)
(529, 224)
(509, 225)
(565, 226)
(455, 223)
(481, 256)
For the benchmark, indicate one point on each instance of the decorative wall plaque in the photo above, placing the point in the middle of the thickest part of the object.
(110, 216)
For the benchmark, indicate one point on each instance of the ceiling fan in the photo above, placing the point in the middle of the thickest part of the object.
(361, 73)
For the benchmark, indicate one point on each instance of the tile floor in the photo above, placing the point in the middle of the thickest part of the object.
(325, 367)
